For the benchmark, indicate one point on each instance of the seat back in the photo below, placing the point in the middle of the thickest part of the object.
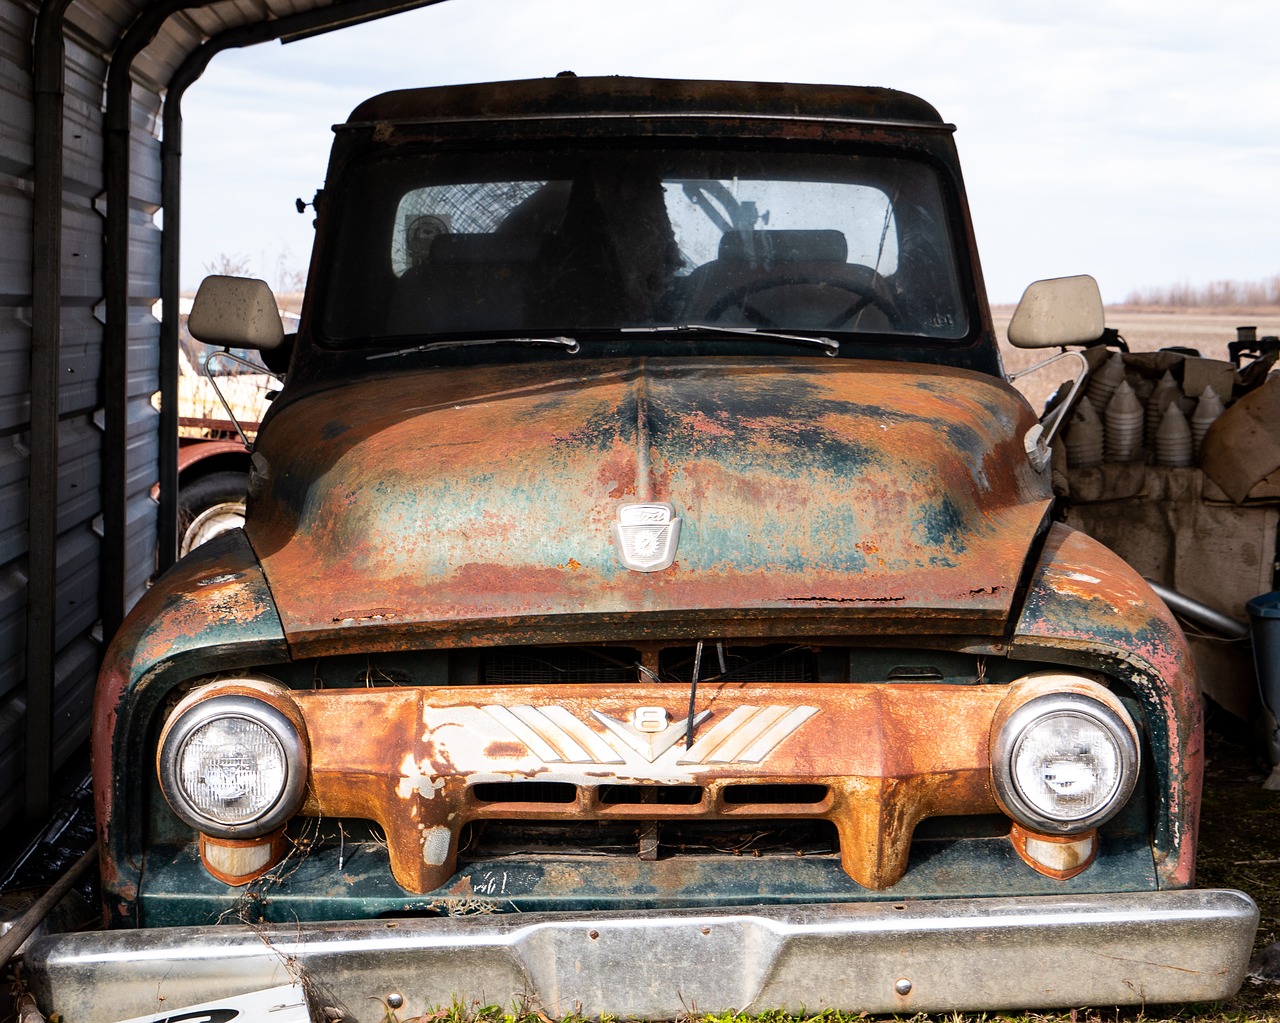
(467, 282)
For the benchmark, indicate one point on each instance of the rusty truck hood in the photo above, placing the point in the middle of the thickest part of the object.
(469, 503)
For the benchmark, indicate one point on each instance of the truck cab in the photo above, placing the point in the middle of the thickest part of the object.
(649, 596)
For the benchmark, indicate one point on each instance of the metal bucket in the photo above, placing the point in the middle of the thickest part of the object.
(1264, 613)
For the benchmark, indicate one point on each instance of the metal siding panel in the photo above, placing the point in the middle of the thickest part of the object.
(86, 71)
(143, 456)
(15, 366)
(75, 610)
(17, 126)
(14, 468)
(16, 154)
(13, 630)
(93, 29)
(75, 676)
(79, 473)
(12, 755)
(16, 111)
(98, 23)
(81, 254)
(77, 607)
(15, 259)
(81, 362)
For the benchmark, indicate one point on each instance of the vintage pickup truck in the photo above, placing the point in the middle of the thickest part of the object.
(650, 600)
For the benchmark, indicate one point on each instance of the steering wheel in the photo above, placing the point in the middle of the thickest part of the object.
(867, 292)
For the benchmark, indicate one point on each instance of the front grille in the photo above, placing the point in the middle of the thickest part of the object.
(654, 795)
(632, 661)
(491, 839)
(720, 662)
(789, 795)
(524, 792)
(507, 666)
(725, 663)
(560, 793)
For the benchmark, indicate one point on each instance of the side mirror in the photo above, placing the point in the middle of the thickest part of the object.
(1061, 311)
(238, 312)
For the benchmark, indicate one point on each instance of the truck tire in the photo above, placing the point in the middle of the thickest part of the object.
(208, 507)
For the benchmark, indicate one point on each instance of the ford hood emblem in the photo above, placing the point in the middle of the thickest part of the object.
(646, 536)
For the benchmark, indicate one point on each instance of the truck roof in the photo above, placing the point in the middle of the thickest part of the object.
(570, 96)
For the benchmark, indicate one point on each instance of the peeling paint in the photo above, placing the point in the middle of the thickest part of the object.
(1116, 622)
(504, 512)
(889, 755)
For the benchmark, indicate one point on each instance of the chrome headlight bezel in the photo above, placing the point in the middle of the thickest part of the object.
(188, 718)
(1007, 741)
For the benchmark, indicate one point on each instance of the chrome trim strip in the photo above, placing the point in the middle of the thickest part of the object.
(920, 956)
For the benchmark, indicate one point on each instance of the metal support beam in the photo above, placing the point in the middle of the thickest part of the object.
(115, 282)
(46, 331)
(289, 29)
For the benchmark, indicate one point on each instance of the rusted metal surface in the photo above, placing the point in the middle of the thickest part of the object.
(189, 454)
(1087, 604)
(888, 756)
(885, 496)
(804, 960)
(209, 613)
(621, 97)
(426, 502)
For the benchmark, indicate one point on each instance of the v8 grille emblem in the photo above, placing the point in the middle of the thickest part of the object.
(747, 735)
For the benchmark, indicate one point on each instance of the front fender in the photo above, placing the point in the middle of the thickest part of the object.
(1087, 606)
(211, 612)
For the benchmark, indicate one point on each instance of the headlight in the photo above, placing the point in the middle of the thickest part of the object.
(232, 766)
(1065, 762)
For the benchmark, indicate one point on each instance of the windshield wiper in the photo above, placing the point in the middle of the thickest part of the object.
(829, 344)
(569, 344)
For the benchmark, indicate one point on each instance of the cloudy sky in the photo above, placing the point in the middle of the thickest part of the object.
(1135, 140)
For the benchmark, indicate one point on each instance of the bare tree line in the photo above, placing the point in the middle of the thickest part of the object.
(1215, 294)
(288, 278)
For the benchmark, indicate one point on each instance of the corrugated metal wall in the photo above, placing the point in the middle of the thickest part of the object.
(80, 349)
(17, 118)
(76, 641)
(80, 444)
(76, 517)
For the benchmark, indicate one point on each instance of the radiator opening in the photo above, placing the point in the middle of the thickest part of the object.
(792, 795)
(490, 839)
(656, 795)
(524, 792)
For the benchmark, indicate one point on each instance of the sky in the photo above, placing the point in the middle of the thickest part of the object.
(1134, 140)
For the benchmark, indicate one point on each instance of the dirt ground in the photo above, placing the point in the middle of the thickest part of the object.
(1240, 840)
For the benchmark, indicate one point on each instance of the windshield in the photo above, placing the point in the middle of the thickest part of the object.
(580, 239)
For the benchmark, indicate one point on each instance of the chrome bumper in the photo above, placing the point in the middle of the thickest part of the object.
(930, 956)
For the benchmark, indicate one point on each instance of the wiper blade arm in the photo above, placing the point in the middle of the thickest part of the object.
(569, 344)
(830, 345)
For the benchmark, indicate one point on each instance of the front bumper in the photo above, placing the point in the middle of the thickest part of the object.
(932, 956)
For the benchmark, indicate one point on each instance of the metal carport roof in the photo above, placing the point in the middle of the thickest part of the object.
(90, 156)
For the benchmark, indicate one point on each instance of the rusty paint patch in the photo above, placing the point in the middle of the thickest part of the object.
(210, 612)
(888, 756)
(1087, 603)
(373, 614)
(860, 483)
(500, 750)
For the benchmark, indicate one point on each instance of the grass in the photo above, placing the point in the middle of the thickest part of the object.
(1184, 1014)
